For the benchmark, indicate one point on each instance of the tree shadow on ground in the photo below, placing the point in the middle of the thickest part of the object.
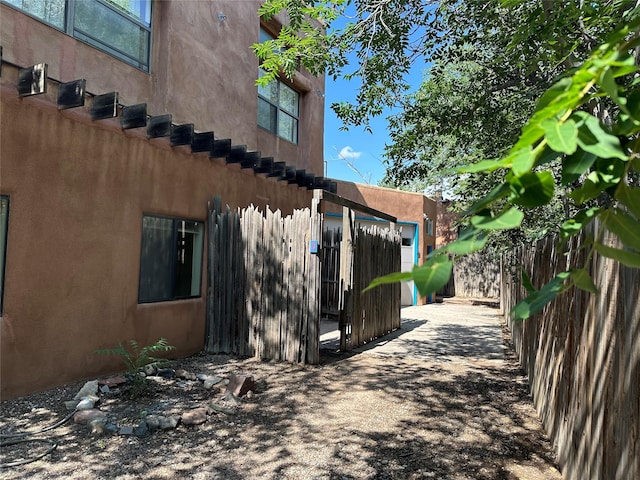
(356, 416)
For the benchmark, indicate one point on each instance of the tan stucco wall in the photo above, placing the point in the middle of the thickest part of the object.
(202, 72)
(405, 206)
(78, 190)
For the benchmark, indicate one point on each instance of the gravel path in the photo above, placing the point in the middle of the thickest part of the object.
(442, 398)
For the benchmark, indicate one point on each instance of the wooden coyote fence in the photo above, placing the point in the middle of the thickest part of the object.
(582, 355)
(376, 312)
(366, 253)
(263, 294)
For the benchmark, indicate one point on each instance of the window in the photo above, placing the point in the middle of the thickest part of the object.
(429, 226)
(4, 222)
(278, 106)
(121, 28)
(171, 259)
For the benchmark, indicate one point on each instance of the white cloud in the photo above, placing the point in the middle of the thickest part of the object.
(349, 154)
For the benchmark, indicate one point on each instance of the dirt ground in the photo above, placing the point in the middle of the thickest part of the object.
(359, 416)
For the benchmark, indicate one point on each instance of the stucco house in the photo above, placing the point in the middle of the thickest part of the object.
(416, 216)
(119, 122)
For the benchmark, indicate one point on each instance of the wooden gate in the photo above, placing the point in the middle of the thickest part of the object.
(351, 258)
(263, 295)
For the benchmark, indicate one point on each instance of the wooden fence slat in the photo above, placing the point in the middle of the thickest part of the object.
(582, 356)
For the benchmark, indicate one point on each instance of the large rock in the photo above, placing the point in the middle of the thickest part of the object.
(159, 422)
(84, 417)
(195, 416)
(87, 403)
(239, 385)
(89, 389)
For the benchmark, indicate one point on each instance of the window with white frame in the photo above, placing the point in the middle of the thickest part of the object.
(121, 28)
(4, 222)
(171, 259)
(278, 105)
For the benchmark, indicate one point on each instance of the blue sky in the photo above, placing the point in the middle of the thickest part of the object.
(355, 155)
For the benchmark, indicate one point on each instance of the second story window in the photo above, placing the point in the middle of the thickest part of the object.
(121, 28)
(278, 106)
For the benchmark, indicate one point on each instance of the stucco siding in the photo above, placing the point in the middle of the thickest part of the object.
(78, 190)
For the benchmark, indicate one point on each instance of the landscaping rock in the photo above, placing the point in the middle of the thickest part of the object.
(112, 381)
(166, 372)
(215, 408)
(168, 423)
(142, 430)
(89, 388)
(239, 385)
(159, 422)
(98, 426)
(83, 417)
(195, 416)
(125, 430)
(210, 382)
(181, 373)
(87, 403)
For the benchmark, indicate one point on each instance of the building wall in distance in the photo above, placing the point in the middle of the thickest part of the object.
(405, 206)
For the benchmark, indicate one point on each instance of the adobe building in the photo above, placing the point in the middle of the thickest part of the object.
(118, 126)
(416, 217)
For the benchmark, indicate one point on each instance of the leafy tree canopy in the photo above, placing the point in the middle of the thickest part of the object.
(540, 97)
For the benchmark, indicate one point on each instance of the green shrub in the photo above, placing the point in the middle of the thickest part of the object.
(136, 358)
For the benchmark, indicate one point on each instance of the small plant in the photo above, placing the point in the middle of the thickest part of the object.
(136, 358)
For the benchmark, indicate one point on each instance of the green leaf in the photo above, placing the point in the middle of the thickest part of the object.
(633, 105)
(432, 275)
(557, 89)
(590, 189)
(530, 135)
(547, 156)
(561, 137)
(575, 165)
(624, 226)
(629, 197)
(608, 84)
(592, 138)
(512, 218)
(583, 281)
(390, 278)
(578, 222)
(521, 161)
(533, 189)
(526, 282)
(469, 241)
(483, 166)
(536, 301)
(625, 257)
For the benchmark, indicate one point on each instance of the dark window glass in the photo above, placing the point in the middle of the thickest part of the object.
(112, 31)
(278, 108)
(267, 115)
(50, 11)
(119, 27)
(171, 259)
